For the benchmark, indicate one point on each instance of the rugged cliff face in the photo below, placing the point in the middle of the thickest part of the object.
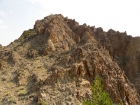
(58, 60)
(125, 50)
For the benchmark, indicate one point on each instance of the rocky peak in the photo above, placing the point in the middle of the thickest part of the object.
(57, 60)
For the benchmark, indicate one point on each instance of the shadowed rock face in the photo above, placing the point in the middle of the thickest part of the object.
(124, 50)
(58, 60)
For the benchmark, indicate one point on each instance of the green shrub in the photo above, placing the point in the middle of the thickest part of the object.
(100, 97)
(26, 33)
(22, 93)
(43, 102)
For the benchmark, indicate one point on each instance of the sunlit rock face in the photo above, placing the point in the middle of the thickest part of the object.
(57, 61)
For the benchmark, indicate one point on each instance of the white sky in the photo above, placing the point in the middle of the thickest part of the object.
(19, 15)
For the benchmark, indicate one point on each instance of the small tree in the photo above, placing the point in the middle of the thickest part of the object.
(100, 97)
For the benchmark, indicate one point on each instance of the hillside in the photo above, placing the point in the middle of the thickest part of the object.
(57, 60)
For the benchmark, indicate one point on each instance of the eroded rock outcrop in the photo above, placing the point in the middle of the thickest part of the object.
(57, 61)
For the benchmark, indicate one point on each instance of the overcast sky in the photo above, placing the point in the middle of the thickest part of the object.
(19, 15)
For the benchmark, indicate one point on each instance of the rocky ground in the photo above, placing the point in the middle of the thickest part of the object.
(55, 63)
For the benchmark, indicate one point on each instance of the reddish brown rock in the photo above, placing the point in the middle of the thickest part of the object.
(67, 58)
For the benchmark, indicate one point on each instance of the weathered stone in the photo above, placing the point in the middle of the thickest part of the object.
(32, 53)
(74, 55)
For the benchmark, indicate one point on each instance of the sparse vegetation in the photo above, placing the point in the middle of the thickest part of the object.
(8, 93)
(21, 88)
(99, 96)
(43, 102)
(22, 93)
(26, 33)
(11, 99)
(54, 62)
(51, 17)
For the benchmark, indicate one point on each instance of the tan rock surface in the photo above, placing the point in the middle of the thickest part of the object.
(58, 60)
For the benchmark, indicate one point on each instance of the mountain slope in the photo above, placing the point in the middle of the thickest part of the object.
(56, 62)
